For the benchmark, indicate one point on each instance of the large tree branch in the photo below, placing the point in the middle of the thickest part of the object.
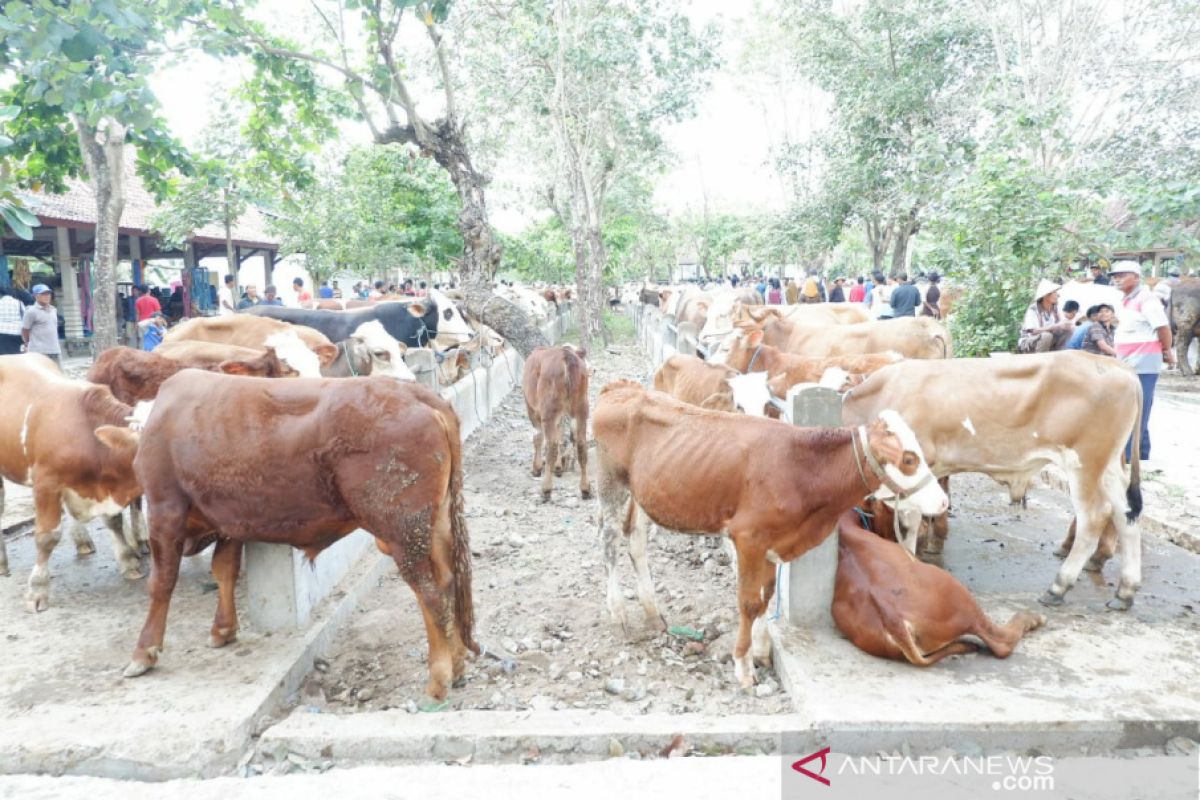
(435, 36)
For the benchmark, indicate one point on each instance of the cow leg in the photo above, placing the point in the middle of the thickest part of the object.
(127, 557)
(1130, 536)
(47, 531)
(226, 564)
(585, 486)
(753, 573)
(1091, 515)
(1064, 549)
(760, 639)
(638, 541)
(550, 434)
(84, 546)
(938, 528)
(1002, 639)
(169, 522)
(138, 535)
(614, 508)
(538, 464)
(439, 621)
(3, 550)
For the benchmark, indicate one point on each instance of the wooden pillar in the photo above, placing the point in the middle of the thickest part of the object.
(68, 301)
(269, 269)
(237, 269)
(189, 261)
(135, 255)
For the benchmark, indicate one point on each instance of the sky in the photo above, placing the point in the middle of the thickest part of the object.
(722, 154)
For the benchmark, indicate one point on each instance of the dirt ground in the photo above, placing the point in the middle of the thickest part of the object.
(539, 594)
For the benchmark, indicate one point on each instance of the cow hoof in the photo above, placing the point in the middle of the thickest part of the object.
(1120, 603)
(537, 473)
(1062, 552)
(1051, 599)
(144, 548)
(218, 639)
(545, 497)
(586, 494)
(1094, 565)
(133, 573)
(37, 603)
(85, 549)
(135, 669)
(558, 471)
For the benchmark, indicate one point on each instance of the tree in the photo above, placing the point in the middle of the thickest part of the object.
(591, 82)
(361, 57)
(77, 71)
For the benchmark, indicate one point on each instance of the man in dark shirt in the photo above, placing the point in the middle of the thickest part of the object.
(1098, 276)
(905, 298)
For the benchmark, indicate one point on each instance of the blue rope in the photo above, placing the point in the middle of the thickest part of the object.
(778, 593)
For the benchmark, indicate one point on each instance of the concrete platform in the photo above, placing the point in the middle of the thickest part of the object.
(64, 707)
(1092, 678)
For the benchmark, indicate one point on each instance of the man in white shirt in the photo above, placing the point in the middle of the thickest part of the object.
(225, 304)
(1143, 337)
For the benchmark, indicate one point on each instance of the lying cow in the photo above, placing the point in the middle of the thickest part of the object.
(891, 605)
(556, 398)
(135, 375)
(61, 437)
(323, 457)
(911, 337)
(1010, 418)
(775, 490)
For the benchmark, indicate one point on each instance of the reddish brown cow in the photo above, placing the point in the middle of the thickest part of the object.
(135, 375)
(330, 456)
(556, 393)
(57, 435)
(891, 605)
(775, 490)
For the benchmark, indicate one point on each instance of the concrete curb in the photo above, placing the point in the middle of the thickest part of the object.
(396, 736)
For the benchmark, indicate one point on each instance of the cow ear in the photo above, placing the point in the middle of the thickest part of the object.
(117, 438)
(234, 368)
(754, 338)
(417, 309)
(327, 353)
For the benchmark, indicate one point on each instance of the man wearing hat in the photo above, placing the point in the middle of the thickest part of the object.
(1043, 329)
(838, 293)
(1098, 276)
(1143, 337)
(39, 327)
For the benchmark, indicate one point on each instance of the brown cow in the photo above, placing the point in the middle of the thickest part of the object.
(556, 394)
(775, 490)
(891, 605)
(323, 457)
(135, 375)
(746, 352)
(912, 337)
(56, 435)
(697, 382)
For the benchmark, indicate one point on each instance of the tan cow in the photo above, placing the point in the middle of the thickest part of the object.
(247, 330)
(747, 353)
(912, 337)
(56, 435)
(556, 395)
(697, 382)
(1011, 417)
(776, 490)
(891, 605)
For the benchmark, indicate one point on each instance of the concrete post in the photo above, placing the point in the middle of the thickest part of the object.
(669, 330)
(687, 338)
(806, 585)
(68, 302)
(424, 365)
(269, 269)
(132, 335)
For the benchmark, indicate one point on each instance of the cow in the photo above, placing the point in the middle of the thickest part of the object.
(891, 605)
(806, 313)
(245, 330)
(555, 384)
(746, 352)
(413, 324)
(912, 337)
(726, 305)
(697, 382)
(135, 375)
(1185, 318)
(1009, 418)
(453, 327)
(775, 490)
(61, 437)
(311, 461)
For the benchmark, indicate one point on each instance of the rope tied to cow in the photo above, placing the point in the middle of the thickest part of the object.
(349, 360)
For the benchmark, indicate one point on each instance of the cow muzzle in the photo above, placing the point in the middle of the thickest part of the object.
(923, 493)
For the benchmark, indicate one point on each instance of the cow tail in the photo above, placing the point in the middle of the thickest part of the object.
(464, 603)
(1133, 495)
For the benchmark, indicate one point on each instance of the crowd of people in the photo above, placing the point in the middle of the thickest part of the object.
(888, 298)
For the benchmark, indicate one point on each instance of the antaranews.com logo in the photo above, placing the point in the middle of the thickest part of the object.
(1007, 772)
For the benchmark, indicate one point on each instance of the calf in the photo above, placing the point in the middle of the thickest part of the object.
(556, 393)
(323, 457)
(775, 490)
(135, 375)
(891, 605)
(61, 436)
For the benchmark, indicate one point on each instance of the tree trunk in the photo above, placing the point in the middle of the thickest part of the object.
(230, 255)
(905, 228)
(879, 238)
(481, 253)
(103, 150)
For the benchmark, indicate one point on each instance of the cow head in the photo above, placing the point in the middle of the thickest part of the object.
(267, 365)
(455, 364)
(387, 354)
(894, 455)
(751, 393)
(116, 470)
(290, 349)
(453, 327)
(737, 347)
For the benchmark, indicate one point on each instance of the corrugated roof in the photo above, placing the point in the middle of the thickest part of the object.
(78, 204)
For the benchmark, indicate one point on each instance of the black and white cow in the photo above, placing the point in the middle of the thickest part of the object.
(413, 324)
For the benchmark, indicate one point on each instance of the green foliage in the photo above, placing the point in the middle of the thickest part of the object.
(378, 208)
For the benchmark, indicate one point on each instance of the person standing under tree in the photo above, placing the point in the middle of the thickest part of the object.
(905, 298)
(1143, 338)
